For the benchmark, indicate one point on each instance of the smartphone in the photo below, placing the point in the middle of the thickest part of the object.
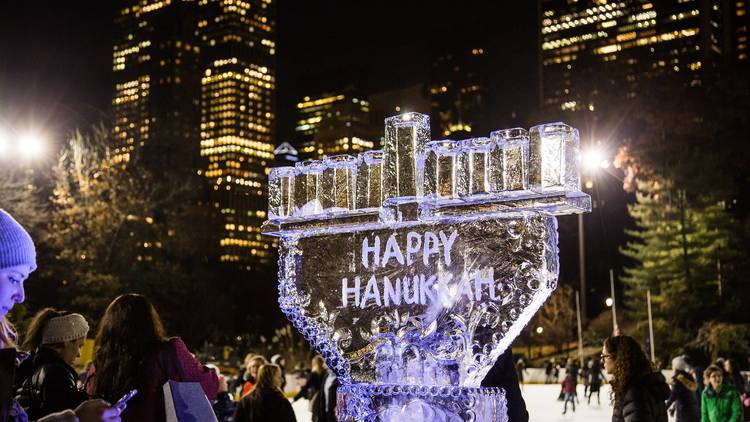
(129, 395)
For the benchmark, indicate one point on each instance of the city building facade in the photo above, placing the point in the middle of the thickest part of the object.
(334, 123)
(195, 97)
(588, 47)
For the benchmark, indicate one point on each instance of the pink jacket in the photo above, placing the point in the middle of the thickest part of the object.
(148, 404)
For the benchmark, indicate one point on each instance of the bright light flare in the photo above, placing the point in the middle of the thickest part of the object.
(31, 145)
(594, 159)
(539, 330)
(609, 302)
(4, 143)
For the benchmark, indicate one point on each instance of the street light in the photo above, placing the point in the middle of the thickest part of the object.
(539, 330)
(608, 302)
(593, 160)
(31, 145)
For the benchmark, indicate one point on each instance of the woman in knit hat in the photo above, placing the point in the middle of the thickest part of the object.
(48, 380)
(17, 262)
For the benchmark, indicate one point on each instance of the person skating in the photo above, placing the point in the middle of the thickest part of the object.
(595, 381)
(638, 391)
(569, 393)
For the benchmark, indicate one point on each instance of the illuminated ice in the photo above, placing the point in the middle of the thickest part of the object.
(369, 193)
(415, 279)
(337, 187)
(307, 187)
(441, 169)
(476, 170)
(403, 148)
(281, 192)
(554, 158)
(513, 145)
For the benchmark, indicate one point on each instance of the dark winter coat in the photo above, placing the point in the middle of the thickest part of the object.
(683, 397)
(643, 400)
(324, 410)
(503, 375)
(721, 406)
(264, 404)
(46, 384)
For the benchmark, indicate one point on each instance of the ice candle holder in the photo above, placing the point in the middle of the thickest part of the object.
(307, 187)
(554, 158)
(281, 192)
(338, 183)
(479, 167)
(413, 301)
(403, 150)
(440, 169)
(513, 147)
(369, 192)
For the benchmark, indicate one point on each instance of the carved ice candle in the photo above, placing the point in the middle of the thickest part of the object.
(338, 182)
(476, 162)
(403, 150)
(369, 192)
(281, 192)
(441, 169)
(554, 158)
(513, 146)
(307, 187)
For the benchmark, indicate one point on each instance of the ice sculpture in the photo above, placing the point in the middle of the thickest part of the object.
(413, 291)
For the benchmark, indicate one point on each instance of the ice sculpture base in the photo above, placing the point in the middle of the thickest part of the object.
(420, 403)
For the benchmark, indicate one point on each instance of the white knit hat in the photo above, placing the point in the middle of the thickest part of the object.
(65, 328)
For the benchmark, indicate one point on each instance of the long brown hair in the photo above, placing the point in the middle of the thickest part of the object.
(33, 337)
(630, 363)
(267, 377)
(130, 334)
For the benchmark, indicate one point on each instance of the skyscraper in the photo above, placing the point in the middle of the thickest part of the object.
(588, 47)
(458, 92)
(194, 94)
(237, 117)
(334, 123)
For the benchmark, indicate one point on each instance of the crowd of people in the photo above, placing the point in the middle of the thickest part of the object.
(639, 391)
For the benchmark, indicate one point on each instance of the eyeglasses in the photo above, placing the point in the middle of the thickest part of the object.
(605, 356)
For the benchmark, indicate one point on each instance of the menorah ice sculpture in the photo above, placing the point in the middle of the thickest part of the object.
(412, 269)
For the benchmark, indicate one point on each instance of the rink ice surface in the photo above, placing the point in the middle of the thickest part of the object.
(541, 401)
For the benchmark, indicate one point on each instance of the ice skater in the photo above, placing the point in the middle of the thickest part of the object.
(569, 392)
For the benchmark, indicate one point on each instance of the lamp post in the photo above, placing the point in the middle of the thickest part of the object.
(593, 160)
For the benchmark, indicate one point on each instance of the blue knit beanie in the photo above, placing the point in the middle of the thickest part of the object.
(16, 246)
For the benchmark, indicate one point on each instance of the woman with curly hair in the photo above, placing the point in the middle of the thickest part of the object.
(133, 352)
(638, 392)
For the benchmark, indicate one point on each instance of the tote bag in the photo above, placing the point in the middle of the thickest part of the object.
(185, 401)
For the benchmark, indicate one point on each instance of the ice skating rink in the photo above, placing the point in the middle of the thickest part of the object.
(541, 401)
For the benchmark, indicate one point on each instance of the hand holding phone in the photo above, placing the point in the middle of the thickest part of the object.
(129, 395)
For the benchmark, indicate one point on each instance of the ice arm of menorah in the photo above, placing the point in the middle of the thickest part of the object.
(415, 179)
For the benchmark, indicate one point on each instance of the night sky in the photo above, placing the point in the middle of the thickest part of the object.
(55, 57)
